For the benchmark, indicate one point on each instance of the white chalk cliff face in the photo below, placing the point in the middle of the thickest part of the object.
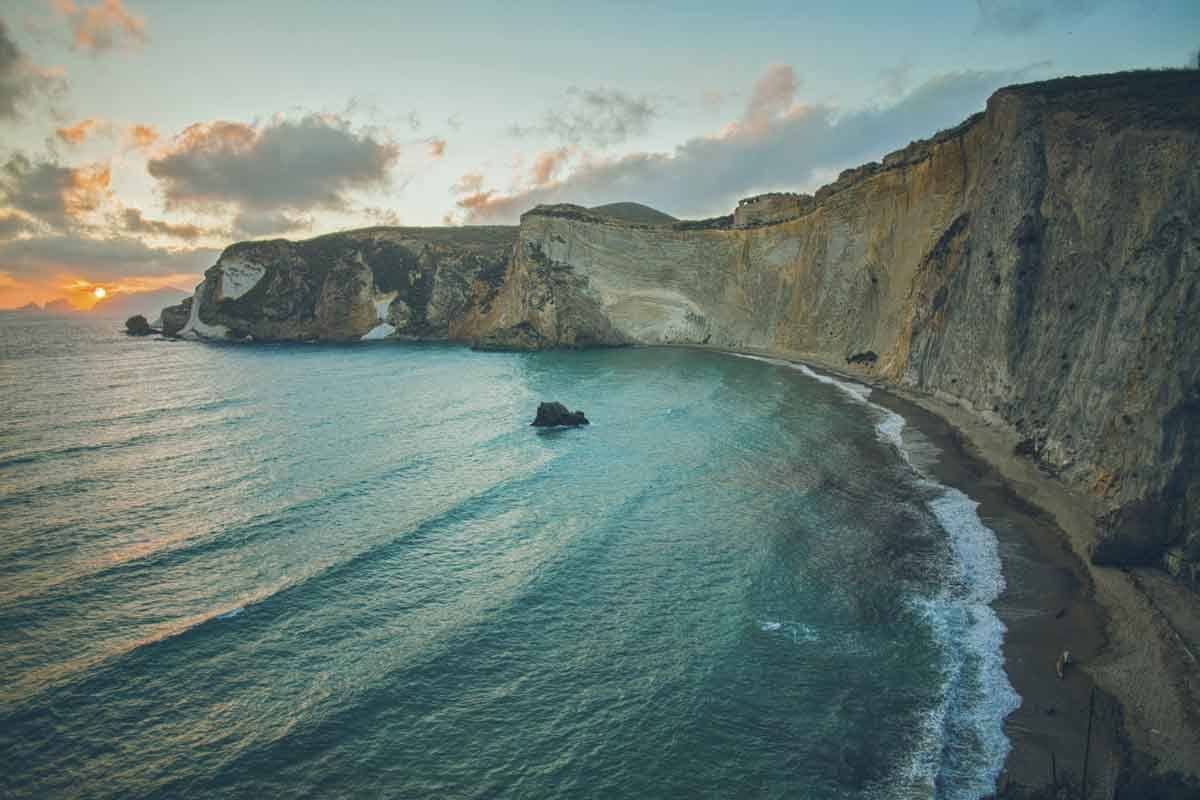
(237, 277)
(234, 278)
(1038, 265)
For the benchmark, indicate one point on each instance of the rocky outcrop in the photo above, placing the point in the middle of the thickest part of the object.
(138, 326)
(554, 415)
(1039, 265)
(375, 283)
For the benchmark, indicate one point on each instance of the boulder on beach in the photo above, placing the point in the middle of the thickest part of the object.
(138, 326)
(553, 414)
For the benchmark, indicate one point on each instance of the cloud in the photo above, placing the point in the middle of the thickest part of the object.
(777, 144)
(291, 164)
(774, 93)
(13, 223)
(547, 164)
(102, 26)
(133, 221)
(80, 132)
(895, 81)
(1017, 17)
(437, 147)
(468, 183)
(57, 196)
(21, 81)
(253, 224)
(142, 137)
(596, 117)
(98, 259)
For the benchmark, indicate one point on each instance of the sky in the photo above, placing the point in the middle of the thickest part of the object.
(140, 137)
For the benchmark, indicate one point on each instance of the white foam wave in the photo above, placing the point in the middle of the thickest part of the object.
(796, 631)
(233, 612)
(891, 430)
(976, 694)
(855, 391)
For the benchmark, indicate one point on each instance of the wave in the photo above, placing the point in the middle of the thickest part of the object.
(796, 631)
(976, 693)
(14, 458)
(267, 598)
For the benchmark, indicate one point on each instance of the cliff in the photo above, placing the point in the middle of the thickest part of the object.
(373, 283)
(1037, 265)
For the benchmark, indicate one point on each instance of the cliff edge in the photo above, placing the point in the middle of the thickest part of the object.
(1038, 265)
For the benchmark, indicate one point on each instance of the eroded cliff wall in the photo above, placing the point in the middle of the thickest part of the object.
(1038, 264)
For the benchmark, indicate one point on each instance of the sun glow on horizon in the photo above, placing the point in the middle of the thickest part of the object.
(99, 293)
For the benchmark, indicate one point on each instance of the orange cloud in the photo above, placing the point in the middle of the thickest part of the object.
(437, 148)
(143, 136)
(80, 131)
(468, 184)
(102, 26)
(216, 135)
(134, 222)
(314, 161)
(547, 164)
(86, 189)
(55, 195)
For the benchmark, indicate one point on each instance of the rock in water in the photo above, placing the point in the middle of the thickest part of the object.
(138, 326)
(550, 415)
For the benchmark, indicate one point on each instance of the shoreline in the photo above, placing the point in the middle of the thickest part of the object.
(1132, 633)
(1047, 606)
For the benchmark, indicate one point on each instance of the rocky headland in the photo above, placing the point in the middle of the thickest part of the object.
(374, 283)
(1032, 274)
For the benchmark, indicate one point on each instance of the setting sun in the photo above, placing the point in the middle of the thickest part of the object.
(99, 293)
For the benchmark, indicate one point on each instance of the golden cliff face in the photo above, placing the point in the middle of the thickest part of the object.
(1039, 265)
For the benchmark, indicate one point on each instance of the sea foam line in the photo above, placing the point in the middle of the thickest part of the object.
(964, 622)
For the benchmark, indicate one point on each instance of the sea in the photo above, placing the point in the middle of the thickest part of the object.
(308, 570)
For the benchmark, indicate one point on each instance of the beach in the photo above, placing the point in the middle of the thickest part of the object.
(1132, 632)
(1048, 606)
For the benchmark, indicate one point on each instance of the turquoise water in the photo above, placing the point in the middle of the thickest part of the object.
(247, 571)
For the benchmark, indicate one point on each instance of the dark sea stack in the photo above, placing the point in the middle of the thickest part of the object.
(138, 326)
(554, 415)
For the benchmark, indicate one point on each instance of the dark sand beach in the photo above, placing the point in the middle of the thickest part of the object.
(1131, 632)
(1048, 606)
